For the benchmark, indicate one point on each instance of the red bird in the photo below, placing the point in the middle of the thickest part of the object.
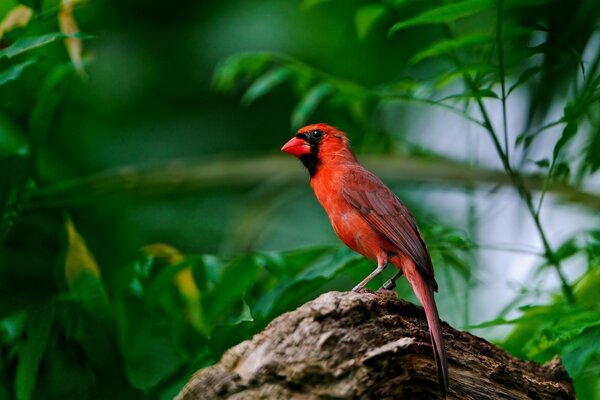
(370, 219)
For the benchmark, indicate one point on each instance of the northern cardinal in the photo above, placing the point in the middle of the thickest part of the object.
(370, 219)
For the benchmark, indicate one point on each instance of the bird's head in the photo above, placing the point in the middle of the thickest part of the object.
(318, 143)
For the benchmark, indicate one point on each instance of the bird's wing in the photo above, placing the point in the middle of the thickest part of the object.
(386, 214)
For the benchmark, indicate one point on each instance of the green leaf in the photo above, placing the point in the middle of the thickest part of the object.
(235, 280)
(566, 250)
(35, 4)
(14, 173)
(444, 14)
(366, 17)
(312, 3)
(479, 93)
(524, 77)
(561, 171)
(29, 43)
(49, 97)
(229, 71)
(30, 355)
(543, 163)
(149, 353)
(14, 71)
(307, 106)
(292, 292)
(561, 331)
(225, 336)
(523, 3)
(578, 355)
(592, 156)
(12, 138)
(567, 134)
(479, 70)
(444, 47)
(264, 84)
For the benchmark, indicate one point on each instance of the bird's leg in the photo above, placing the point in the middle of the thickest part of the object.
(390, 284)
(381, 264)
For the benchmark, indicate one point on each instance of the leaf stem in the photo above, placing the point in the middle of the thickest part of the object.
(518, 183)
(500, 47)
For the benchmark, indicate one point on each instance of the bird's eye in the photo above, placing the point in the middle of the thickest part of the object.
(316, 134)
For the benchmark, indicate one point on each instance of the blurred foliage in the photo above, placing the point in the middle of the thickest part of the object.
(97, 300)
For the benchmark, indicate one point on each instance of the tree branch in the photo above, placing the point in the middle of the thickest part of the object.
(366, 345)
(186, 176)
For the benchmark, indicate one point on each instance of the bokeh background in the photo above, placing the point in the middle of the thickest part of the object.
(149, 222)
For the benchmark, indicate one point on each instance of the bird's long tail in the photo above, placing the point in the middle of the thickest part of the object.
(424, 291)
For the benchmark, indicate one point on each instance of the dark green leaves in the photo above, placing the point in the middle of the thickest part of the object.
(237, 67)
(264, 84)
(444, 14)
(366, 17)
(567, 134)
(35, 4)
(14, 71)
(448, 46)
(14, 172)
(309, 104)
(33, 350)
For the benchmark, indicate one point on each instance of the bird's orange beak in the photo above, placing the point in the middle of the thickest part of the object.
(296, 147)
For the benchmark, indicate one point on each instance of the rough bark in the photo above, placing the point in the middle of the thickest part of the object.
(371, 346)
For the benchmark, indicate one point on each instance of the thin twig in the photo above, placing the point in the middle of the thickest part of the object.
(500, 46)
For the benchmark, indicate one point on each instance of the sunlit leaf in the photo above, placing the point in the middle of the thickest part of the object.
(78, 260)
(444, 14)
(309, 103)
(366, 17)
(562, 330)
(68, 26)
(447, 46)
(264, 84)
(18, 17)
(581, 353)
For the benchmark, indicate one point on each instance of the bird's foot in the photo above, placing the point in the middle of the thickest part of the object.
(357, 288)
(362, 290)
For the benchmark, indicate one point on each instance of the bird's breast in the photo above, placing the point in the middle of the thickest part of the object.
(347, 222)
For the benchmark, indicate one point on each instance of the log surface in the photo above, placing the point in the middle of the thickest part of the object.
(370, 346)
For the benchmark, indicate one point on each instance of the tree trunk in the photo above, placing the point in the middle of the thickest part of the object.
(371, 346)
